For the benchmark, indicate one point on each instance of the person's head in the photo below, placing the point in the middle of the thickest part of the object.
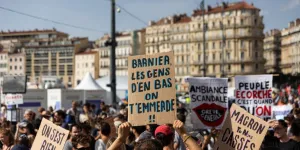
(289, 119)
(151, 128)
(23, 140)
(120, 117)
(51, 109)
(281, 130)
(296, 113)
(295, 128)
(103, 115)
(40, 110)
(74, 105)
(148, 144)
(23, 127)
(86, 108)
(28, 115)
(164, 134)
(181, 117)
(6, 137)
(102, 104)
(86, 129)
(138, 130)
(104, 129)
(75, 130)
(46, 114)
(59, 116)
(180, 105)
(81, 142)
(295, 105)
(93, 107)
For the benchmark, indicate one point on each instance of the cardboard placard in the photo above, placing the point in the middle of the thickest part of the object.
(152, 93)
(254, 94)
(241, 130)
(209, 102)
(50, 136)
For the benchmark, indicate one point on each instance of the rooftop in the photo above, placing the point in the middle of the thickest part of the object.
(228, 7)
(36, 31)
(87, 52)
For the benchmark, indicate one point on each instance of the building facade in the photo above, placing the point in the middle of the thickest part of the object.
(233, 41)
(3, 63)
(16, 64)
(53, 57)
(290, 48)
(87, 61)
(272, 51)
(129, 43)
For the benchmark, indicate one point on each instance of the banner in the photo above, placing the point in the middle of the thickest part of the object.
(281, 111)
(241, 130)
(13, 99)
(209, 102)
(254, 94)
(50, 136)
(151, 89)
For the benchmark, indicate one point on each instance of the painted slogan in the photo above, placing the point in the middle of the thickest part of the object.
(209, 101)
(254, 94)
(241, 131)
(151, 94)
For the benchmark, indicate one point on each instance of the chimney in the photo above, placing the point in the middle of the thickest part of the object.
(225, 5)
(209, 8)
(297, 21)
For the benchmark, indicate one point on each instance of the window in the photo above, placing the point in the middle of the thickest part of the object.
(242, 67)
(242, 55)
(214, 56)
(228, 22)
(221, 25)
(20, 67)
(214, 68)
(182, 58)
(256, 66)
(228, 56)
(70, 79)
(16, 67)
(10, 60)
(242, 21)
(228, 68)
(213, 45)
(10, 67)
(1, 57)
(206, 45)
(242, 44)
(199, 46)
(16, 59)
(86, 64)
(199, 57)
(228, 44)
(93, 64)
(255, 21)
(220, 55)
(256, 54)
(255, 43)
(213, 24)
(220, 45)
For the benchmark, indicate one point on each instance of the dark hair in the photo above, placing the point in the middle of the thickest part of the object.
(9, 135)
(181, 117)
(283, 123)
(121, 117)
(139, 129)
(86, 128)
(295, 128)
(122, 106)
(23, 140)
(61, 113)
(104, 128)
(80, 139)
(148, 144)
(76, 126)
(93, 106)
(152, 128)
(87, 105)
(164, 139)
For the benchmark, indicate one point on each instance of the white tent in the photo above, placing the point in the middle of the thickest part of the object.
(121, 81)
(88, 83)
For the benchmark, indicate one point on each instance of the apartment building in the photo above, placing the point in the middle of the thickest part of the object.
(272, 51)
(86, 61)
(16, 63)
(129, 43)
(234, 41)
(3, 63)
(53, 57)
(290, 48)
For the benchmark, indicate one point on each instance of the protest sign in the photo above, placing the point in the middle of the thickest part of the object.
(208, 101)
(241, 130)
(254, 94)
(151, 89)
(50, 136)
(13, 99)
(281, 111)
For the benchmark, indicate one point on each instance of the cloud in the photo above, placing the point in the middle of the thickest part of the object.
(291, 4)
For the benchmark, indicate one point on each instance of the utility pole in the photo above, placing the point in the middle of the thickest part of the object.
(204, 30)
(113, 54)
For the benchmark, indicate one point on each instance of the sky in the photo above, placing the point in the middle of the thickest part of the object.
(95, 14)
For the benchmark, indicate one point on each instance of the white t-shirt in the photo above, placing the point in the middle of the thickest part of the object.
(100, 145)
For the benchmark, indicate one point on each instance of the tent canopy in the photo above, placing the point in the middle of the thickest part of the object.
(88, 83)
(121, 81)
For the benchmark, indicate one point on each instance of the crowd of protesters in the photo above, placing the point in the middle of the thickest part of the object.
(107, 128)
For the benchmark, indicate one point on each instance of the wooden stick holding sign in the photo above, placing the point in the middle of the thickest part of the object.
(152, 93)
(241, 130)
(50, 136)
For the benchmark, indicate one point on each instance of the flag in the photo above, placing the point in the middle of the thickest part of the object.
(202, 7)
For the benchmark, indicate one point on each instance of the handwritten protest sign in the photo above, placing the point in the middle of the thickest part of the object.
(151, 94)
(50, 136)
(254, 94)
(208, 101)
(281, 111)
(241, 130)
